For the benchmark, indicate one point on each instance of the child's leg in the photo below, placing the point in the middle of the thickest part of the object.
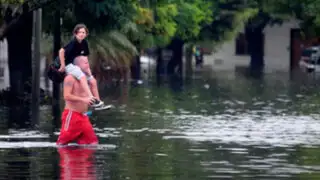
(93, 84)
(94, 87)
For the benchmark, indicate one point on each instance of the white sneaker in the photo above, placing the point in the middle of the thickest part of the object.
(97, 104)
(103, 107)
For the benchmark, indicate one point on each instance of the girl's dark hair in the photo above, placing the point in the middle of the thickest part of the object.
(78, 27)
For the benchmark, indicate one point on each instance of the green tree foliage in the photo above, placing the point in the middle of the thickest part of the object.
(159, 21)
(4, 4)
(148, 23)
(192, 16)
(99, 16)
(271, 12)
(11, 1)
(308, 14)
(154, 26)
(229, 18)
(106, 21)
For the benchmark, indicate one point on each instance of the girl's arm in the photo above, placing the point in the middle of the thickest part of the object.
(62, 60)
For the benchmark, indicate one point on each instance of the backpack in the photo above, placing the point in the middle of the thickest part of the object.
(53, 74)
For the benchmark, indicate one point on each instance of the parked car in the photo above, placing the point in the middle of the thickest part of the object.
(310, 59)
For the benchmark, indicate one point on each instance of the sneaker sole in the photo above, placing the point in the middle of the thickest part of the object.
(103, 107)
(98, 105)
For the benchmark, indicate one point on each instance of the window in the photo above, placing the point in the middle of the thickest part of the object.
(241, 45)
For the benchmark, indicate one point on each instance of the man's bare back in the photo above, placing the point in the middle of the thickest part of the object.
(75, 96)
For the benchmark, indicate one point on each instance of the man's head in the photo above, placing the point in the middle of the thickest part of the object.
(80, 31)
(82, 62)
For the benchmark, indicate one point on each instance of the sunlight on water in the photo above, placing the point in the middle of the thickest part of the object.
(248, 129)
(23, 134)
(25, 144)
(38, 144)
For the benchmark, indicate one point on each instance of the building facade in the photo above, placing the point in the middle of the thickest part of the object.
(277, 50)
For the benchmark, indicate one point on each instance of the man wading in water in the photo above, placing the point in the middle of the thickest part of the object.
(76, 125)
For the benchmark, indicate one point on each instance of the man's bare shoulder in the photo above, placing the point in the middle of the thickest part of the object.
(69, 80)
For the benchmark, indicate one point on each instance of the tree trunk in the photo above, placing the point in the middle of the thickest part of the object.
(255, 40)
(174, 66)
(20, 69)
(160, 66)
(136, 68)
(188, 61)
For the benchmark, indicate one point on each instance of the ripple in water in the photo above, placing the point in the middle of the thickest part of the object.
(248, 129)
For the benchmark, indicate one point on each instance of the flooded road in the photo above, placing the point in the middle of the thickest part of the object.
(219, 127)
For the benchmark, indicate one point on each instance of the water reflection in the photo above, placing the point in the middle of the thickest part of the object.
(77, 163)
(18, 168)
(24, 163)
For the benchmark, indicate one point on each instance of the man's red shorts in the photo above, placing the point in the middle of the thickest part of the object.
(76, 127)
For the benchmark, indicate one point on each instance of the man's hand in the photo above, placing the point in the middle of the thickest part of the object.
(89, 100)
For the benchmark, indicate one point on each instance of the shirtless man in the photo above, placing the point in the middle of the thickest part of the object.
(76, 125)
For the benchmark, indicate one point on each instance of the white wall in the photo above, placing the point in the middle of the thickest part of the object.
(277, 50)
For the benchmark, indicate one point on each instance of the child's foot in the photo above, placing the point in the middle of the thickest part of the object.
(103, 107)
(97, 103)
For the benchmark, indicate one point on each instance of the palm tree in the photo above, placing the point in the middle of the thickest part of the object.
(110, 51)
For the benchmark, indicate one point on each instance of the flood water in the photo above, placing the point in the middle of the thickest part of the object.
(216, 127)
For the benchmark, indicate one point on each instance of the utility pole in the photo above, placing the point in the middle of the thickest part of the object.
(56, 112)
(37, 19)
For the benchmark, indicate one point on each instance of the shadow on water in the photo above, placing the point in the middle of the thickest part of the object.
(220, 126)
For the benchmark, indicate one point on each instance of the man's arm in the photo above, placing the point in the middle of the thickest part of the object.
(67, 90)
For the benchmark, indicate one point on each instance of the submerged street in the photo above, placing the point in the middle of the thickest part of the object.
(218, 126)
